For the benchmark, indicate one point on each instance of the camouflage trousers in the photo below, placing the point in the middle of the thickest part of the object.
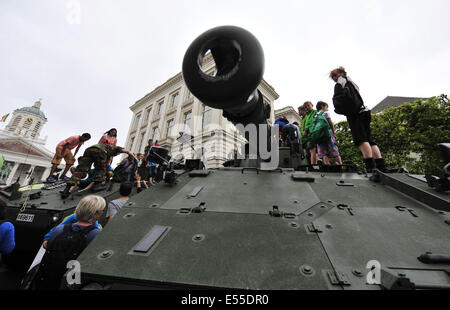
(92, 155)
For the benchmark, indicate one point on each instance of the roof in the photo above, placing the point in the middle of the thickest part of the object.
(288, 112)
(19, 147)
(24, 146)
(392, 101)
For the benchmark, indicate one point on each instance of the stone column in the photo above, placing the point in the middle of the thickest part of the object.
(12, 173)
(46, 174)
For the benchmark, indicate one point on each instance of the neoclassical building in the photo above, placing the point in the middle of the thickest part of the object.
(24, 152)
(170, 109)
(290, 114)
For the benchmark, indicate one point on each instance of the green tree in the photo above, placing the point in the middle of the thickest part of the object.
(407, 135)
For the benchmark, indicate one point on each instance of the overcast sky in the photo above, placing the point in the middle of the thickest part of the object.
(90, 73)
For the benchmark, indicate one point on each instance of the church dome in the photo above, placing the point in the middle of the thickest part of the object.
(35, 109)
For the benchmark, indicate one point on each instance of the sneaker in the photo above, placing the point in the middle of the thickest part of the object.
(64, 178)
(51, 179)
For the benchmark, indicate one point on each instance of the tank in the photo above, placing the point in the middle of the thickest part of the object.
(255, 225)
(37, 208)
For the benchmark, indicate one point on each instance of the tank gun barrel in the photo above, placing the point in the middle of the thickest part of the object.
(239, 68)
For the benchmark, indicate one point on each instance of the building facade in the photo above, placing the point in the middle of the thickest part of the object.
(170, 109)
(24, 152)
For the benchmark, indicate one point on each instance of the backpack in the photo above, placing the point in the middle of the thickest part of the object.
(126, 172)
(64, 248)
(347, 100)
(320, 129)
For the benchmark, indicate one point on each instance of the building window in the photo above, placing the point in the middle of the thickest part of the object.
(187, 122)
(147, 114)
(138, 118)
(140, 144)
(206, 117)
(174, 100)
(189, 94)
(15, 123)
(160, 108)
(131, 144)
(155, 136)
(36, 129)
(169, 128)
(5, 171)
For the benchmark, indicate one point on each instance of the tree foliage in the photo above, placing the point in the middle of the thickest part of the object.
(407, 135)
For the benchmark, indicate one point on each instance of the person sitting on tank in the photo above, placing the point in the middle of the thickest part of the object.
(142, 168)
(89, 181)
(98, 155)
(127, 169)
(290, 135)
(115, 205)
(140, 183)
(281, 122)
(296, 142)
(7, 234)
(63, 150)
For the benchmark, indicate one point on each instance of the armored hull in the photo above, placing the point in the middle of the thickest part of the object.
(260, 227)
(284, 229)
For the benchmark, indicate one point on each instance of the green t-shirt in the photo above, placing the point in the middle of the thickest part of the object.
(306, 123)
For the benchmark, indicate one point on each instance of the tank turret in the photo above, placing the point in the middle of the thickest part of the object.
(233, 88)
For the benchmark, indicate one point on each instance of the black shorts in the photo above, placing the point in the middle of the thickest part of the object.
(360, 127)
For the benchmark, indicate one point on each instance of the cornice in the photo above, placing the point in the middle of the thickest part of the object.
(207, 60)
(264, 84)
(158, 90)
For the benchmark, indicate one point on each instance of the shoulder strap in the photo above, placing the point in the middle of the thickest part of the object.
(86, 230)
(67, 228)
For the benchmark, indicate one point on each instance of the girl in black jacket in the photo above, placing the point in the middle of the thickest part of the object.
(358, 121)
